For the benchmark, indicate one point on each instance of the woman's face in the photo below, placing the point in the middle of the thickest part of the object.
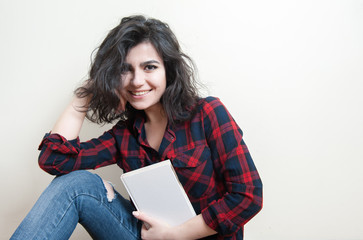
(144, 80)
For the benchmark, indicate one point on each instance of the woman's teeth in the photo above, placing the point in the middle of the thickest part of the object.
(140, 93)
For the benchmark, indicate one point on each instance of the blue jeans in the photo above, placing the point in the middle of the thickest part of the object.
(79, 196)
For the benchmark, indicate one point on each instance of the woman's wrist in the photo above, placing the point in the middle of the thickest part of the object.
(195, 228)
(174, 233)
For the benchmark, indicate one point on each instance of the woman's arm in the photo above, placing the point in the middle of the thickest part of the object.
(195, 228)
(242, 198)
(70, 122)
(62, 151)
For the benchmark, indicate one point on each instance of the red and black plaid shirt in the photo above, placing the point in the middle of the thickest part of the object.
(208, 153)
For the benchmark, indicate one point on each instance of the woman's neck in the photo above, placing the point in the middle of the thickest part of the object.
(155, 125)
(156, 115)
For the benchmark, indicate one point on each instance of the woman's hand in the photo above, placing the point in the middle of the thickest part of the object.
(194, 228)
(153, 228)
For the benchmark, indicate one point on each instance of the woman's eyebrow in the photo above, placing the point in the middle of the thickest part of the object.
(149, 62)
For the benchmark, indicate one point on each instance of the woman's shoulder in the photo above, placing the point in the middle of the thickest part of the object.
(213, 108)
(209, 103)
(208, 100)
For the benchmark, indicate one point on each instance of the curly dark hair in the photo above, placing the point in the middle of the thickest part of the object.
(105, 81)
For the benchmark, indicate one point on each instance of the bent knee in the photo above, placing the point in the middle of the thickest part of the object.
(81, 180)
(75, 178)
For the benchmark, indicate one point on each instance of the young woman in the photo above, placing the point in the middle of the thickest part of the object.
(141, 78)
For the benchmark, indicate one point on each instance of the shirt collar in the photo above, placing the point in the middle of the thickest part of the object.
(139, 128)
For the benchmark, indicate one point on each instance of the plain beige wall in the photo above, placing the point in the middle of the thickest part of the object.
(290, 72)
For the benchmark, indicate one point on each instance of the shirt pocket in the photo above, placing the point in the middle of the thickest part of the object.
(195, 171)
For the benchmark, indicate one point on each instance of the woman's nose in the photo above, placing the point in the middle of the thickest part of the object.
(138, 78)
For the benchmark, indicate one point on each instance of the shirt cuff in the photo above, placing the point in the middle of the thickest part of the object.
(216, 219)
(57, 142)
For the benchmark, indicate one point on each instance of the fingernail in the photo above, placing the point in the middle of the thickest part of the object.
(135, 213)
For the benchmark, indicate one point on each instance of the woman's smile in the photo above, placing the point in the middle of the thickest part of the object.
(144, 80)
(140, 93)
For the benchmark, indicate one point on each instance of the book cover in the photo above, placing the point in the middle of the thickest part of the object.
(156, 191)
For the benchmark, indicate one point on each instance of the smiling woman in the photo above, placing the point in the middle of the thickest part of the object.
(110, 63)
(144, 82)
(141, 78)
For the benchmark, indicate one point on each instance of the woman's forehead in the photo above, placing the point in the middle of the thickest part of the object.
(143, 52)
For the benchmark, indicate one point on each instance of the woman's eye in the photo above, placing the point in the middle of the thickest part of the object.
(150, 67)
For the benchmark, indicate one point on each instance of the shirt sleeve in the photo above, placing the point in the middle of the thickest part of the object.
(243, 197)
(60, 156)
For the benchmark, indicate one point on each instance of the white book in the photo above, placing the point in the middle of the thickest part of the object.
(156, 191)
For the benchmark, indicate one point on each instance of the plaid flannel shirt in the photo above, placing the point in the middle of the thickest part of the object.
(208, 154)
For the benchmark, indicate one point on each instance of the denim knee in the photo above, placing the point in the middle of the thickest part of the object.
(78, 176)
(76, 182)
